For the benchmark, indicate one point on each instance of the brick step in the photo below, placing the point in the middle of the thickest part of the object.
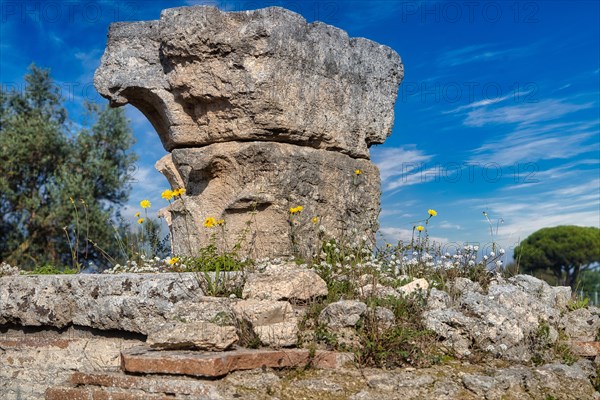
(96, 393)
(117, 385)
(215, 364)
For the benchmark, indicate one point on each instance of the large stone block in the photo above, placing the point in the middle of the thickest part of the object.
(128, 302)
(230, 181)
(203, 76)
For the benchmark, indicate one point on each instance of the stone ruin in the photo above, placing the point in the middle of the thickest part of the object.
(260, 112)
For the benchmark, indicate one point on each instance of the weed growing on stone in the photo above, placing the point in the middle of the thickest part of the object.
(577, 303)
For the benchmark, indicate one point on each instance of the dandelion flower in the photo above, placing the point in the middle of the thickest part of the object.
(315, 220)
(220, 222)
(295, 210)
(137, 214)
(145, 204)
(174, 260)
(357, 171)
(178, 192)
(432, 213)
(167, 194)
(210, 222)
(141, 221)
(420, 228)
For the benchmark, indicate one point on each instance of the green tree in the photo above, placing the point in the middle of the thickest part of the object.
(563, 251)
(59, 190)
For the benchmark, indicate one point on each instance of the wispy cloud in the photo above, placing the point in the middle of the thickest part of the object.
(525, 113)
(401, 166)
(477, 53)
(539, 142)
(555, 176)
(449, 225)
(478, 104)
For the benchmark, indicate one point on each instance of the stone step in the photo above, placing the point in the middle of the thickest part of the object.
(152, 384)
(96, 393)
(119, 386)
(214, 364)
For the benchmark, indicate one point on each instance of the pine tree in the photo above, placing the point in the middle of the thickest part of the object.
(60, 191)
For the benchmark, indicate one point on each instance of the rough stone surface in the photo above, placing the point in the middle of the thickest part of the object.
(230, 181)
(438, 299)
(285, 282)
(203, 76)
(194, 335)
(377, 290)
(502, 321)
(274, 322)
(129, 302)
(415, 287)
(33, 360)
(585, 349)
(581, 325)
(385, 317)
(554, 296)
(343, 313)
(460, 285)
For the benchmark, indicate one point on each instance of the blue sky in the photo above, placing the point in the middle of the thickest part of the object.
(499, 110)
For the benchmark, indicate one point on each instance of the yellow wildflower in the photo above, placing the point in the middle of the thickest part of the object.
(210, 222)
(167, 194)
(178, 192)
(220, 222)
(388, 244)
(315, 220)
(297, 209)
(141, 221)
(357, 171)
(432, 213)
(145, 204)
(420, 228)
(137, 214)
(174, 260)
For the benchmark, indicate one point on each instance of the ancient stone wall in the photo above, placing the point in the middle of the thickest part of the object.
(261, 112)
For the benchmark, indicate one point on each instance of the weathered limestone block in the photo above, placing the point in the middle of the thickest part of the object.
(342, 313)
(417, 286)
(129, 302)
(274, 322)
(285, 282)
(203, 76)
(231, 180)
(194, 335)
(503, 320)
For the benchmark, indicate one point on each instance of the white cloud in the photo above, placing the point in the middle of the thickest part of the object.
(401, 166)
(480, 103)
(525, 113)
(477, 53)
(449, 225)
(539, 142)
